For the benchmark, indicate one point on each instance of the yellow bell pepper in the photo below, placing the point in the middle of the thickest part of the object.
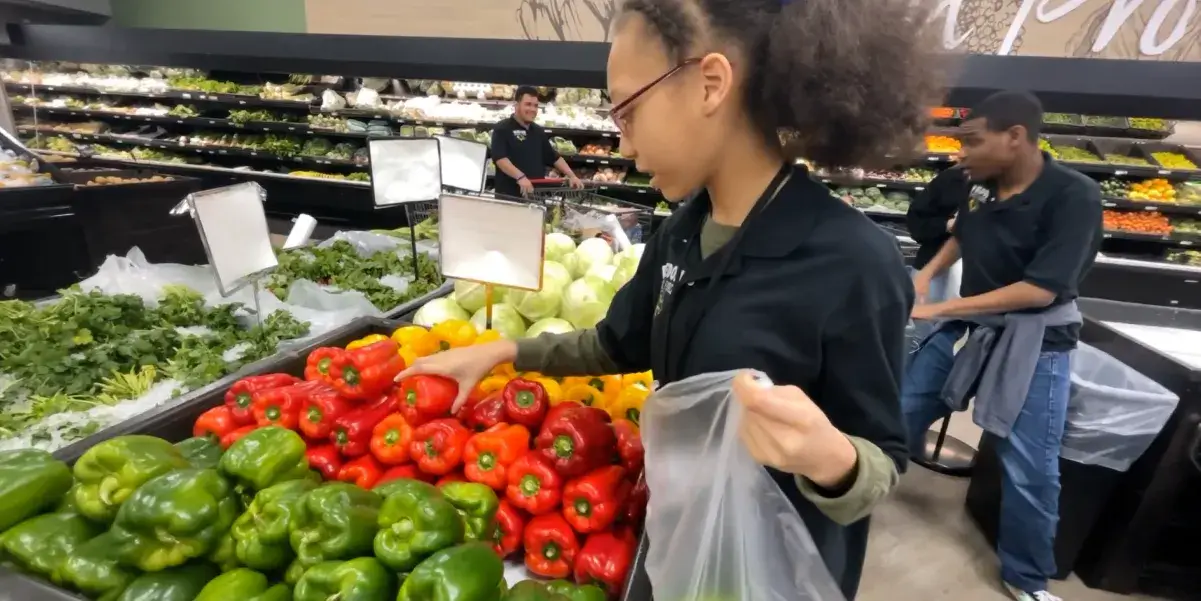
(408, 355)
(406, 335)
(585, 395)
(426, 344)
(644, 379)
(455, 333)
(488, 336)
(492, 384)
(629, 404)
(554, 392)
(505, 369)
(366, 340)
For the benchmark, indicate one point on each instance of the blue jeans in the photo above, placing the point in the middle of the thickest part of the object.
(938, 293)
(1029, 457)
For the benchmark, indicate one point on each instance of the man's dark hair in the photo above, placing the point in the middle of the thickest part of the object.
(839, 82)
(524, 91)
(1004, 110)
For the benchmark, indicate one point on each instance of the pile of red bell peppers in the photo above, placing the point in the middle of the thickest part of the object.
(568, 476)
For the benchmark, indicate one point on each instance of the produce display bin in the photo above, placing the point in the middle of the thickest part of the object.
(1134, 150)
(117, 217)
(1152, 147)
(1105, 126)
(42, 246)
(173, 421)
(1059, 142)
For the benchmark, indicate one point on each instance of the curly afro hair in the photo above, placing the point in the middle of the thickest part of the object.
(838, 82)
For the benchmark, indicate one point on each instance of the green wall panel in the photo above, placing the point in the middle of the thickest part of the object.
(285, 16)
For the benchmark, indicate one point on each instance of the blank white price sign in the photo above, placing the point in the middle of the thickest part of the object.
(491, 241)
(464, 163)
(405, 170)
(234, 229)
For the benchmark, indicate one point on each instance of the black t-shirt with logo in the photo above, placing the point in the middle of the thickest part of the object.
(527, 147)
(1047, 236)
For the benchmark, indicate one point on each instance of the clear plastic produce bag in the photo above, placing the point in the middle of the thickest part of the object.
(719, 527)
(1114, 413)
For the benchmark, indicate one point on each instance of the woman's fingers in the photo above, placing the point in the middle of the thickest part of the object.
(787, 404)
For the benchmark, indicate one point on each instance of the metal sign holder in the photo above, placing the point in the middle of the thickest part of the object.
(233, 229)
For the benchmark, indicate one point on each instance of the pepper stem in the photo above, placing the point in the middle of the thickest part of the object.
(430, 450)
(351, 376)
(392, 437)
(530, 485)
(486, 461)
(525, 399)
(551, 551)
(411, 398)
(272, 413)
(243, 399)
(323, 365)
(314, 415)
(633, 415)
(564, 447)
(583, 508)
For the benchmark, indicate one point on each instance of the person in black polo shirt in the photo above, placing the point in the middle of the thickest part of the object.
(1028, 230)
(929, 220)
(522, 150)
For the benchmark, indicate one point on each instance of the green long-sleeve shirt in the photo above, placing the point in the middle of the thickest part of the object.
(580, 353)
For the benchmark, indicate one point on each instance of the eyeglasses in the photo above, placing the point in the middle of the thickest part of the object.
(621, 113)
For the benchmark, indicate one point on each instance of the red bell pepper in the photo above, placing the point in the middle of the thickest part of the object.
(483, 414)
(281, 406)
(592, 502)
(577, 440)
(215, 423)
(437, 446)
(229, 439)
(550, 546)
(317, 366)
(318, 412)
(239, 397)
(555, 410)
(635, 508)
(366, 372)
(352, 431)
(605, 560)
(425, 398)
(525, 403)
(451, 477)
(488, 455)
(629, 445)
(510, 525)
(534, 485)
(390, 440)
(404, 471)
(325, 459)
(363, 472)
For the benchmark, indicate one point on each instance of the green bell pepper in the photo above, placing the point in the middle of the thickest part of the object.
(294, 572)
(224, 555)
(468, 572)
(334, 521)
(202, 452)
(362, 579)
(414, 522)
(31, 482)
(174, 517)
(261, 533)
(243, 584)
(265, 457)
(574, 592)
(175, 584)
(41, 545)
(93, 569)
(477, 504)
(108, 473)
(533, 590)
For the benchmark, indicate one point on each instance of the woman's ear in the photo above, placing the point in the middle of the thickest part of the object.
(717, 79)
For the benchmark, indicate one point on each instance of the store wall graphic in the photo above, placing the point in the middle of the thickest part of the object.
(1166, 30)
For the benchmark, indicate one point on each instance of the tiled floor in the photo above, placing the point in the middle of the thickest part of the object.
(924, 547)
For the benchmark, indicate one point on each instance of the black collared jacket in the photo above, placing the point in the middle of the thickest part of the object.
(815, 296)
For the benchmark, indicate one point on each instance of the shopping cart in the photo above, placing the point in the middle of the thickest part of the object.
(580, 213)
